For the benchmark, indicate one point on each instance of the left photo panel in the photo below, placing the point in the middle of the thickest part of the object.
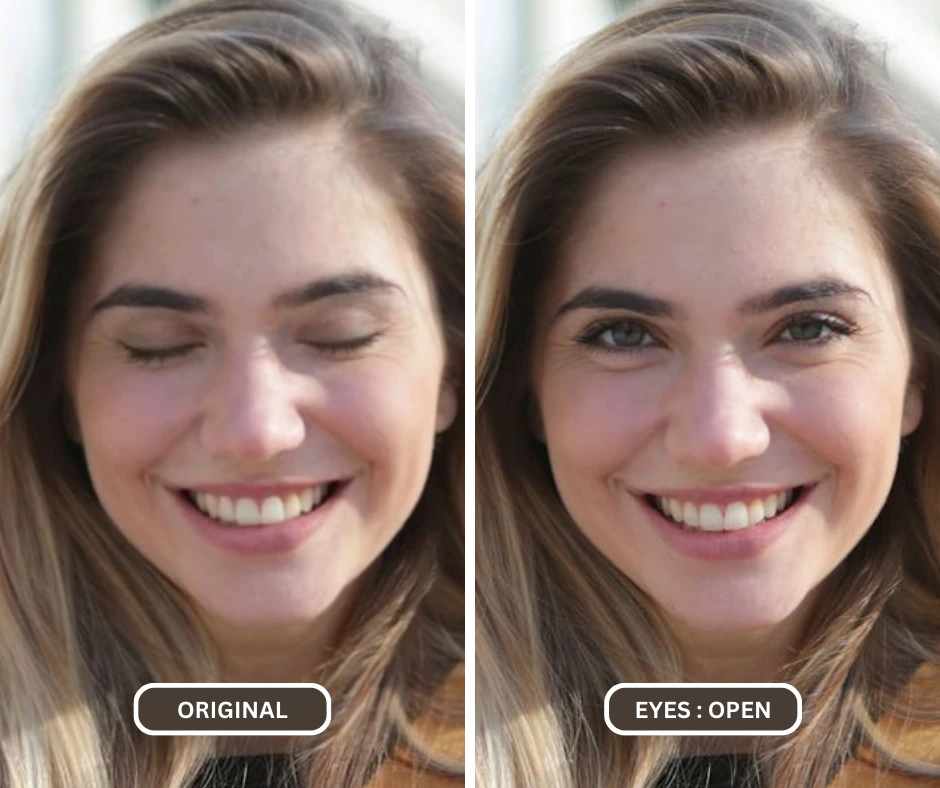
(232, 394)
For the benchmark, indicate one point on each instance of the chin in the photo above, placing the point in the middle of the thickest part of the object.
(253, 611)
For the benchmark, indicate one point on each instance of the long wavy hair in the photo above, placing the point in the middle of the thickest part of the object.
(84, 619)
(558, 624)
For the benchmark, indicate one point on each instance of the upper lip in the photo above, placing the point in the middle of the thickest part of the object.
(721, 495)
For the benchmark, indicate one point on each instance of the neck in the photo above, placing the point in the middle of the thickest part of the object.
(754, 655)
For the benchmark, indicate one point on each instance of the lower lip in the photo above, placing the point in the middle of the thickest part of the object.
(724, 545)
(258, 539)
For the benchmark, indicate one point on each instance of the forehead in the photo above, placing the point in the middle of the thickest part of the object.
(241, 218)
(727, 218)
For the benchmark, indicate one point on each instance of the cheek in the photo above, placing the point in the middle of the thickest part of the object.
(850, 417)
(595, 420)
(128, 420)
(386, 413)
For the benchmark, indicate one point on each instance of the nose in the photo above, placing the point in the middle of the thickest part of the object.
(251, 412)
(715, 416)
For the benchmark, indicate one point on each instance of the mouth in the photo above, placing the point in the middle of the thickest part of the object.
(254, 512)
(731, 516)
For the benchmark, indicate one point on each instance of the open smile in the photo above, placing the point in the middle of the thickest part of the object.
(737, 515)
(259, 510)
(724, 524)
(247, 520)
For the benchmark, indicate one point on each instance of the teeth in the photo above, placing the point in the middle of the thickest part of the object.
(249, 512)
(770, 506)
(710, 518)
(755, 512)
(675, 509)
(272, 510)
(736, 515)
(291, 506)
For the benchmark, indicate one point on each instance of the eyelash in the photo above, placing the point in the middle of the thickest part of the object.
(837, 327)
(347, 345)
(156, 357)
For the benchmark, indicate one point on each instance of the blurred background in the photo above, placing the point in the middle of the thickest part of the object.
(517, 39)
(44, 42)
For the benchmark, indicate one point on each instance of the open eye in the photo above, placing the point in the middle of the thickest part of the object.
(814, 328)
(618, 336)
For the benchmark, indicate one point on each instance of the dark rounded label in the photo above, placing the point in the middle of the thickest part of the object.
(232, 709)
(703, 709)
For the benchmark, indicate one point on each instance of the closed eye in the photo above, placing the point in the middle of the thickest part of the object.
(156, 356)
(343, 346)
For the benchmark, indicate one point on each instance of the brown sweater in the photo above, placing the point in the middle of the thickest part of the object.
(918, 740)
(439, 734)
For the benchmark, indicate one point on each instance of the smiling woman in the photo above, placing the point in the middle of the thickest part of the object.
(231, 299)
(707, 440)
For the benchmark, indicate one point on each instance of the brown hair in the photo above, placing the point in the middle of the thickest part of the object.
(85, 620)
(558, 624)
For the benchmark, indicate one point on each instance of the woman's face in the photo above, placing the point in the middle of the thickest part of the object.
(256, 370)
(721, 369)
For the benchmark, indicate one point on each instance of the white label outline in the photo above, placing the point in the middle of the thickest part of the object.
(706, 685)
(232, 685)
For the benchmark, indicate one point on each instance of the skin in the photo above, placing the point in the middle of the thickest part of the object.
(260, 391)
(712, 398)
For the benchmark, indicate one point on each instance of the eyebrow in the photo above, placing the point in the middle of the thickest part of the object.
(630, 300)
(149, 296)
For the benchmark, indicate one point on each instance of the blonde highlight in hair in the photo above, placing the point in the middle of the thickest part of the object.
(558, 624)
(85, 619)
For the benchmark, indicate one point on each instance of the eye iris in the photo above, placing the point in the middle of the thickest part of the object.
(806, 329)
(626, 335)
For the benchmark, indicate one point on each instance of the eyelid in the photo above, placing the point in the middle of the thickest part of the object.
(157, 356)
(350, 345)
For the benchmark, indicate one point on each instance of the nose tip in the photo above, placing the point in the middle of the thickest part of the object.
(716, 419)
(251, 415)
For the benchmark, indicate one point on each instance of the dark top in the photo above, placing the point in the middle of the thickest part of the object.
(712, 771)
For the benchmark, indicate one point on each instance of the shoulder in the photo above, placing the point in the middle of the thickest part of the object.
(439, 732)
(916, 739)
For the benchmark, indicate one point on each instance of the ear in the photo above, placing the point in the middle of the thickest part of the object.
(913, 409)
(446, 406)
(534, 418)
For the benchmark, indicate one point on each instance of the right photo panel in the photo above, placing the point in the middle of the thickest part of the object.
(708, 423)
